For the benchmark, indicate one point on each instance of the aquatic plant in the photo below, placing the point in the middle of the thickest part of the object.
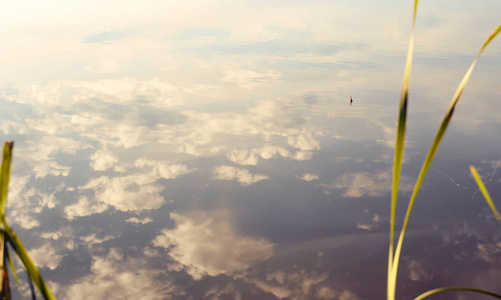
(394, 252)
(9, 239)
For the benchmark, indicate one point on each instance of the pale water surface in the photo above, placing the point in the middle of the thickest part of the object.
(207, 149)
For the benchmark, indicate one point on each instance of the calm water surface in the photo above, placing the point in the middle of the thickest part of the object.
(208, 149)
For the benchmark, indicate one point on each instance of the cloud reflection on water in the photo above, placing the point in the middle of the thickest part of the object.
(219, 157)
(332, 160)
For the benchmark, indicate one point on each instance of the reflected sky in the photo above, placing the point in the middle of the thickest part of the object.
(208, 150)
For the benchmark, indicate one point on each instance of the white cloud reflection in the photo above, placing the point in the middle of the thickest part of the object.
(46, 256)
(28, 202)
(301, 285)
(416, 270)
(252, 156)
(84, 207)
(309, 177)
(128, 193)
(243, 176)
(102, 160)
(115, 277)
(144, 220)
(488, 252)
(365, 183)
(211, 247)
(374, 223)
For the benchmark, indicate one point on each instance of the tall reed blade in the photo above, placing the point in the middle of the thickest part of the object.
(9, 235)
(483, 189)
(14, 272)
(6, 295)
(4, 186)
(393, 265)
(27, 262)
(399, 153)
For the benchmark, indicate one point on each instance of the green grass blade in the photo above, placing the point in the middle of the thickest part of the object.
(12, 238)
(399, 153)
(2, 255)
(6, 294)
(32, 270)
(14, 272)
(456, 288)
(4, 185)
(433, 149)
(5, 175)
(32, 289)
(483, 189)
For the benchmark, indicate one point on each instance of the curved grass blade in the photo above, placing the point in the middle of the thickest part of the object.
(399, 153)
(32, 289)
(4, 184)
(6, 295)
(456, 288)
(14, 272)
(11, 237)
(27, 262)
(431, 154)
(483, 189)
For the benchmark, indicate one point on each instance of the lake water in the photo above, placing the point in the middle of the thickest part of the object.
(208, 149)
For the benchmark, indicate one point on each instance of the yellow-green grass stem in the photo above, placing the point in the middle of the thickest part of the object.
(27, 262)
(4, 187)
(485, 193)
(2, 255)
(14, 272)
(399, 152)
(431, 153)
(9, 234)
(5, 175)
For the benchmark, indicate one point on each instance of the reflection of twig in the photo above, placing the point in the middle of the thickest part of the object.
(465, 188)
